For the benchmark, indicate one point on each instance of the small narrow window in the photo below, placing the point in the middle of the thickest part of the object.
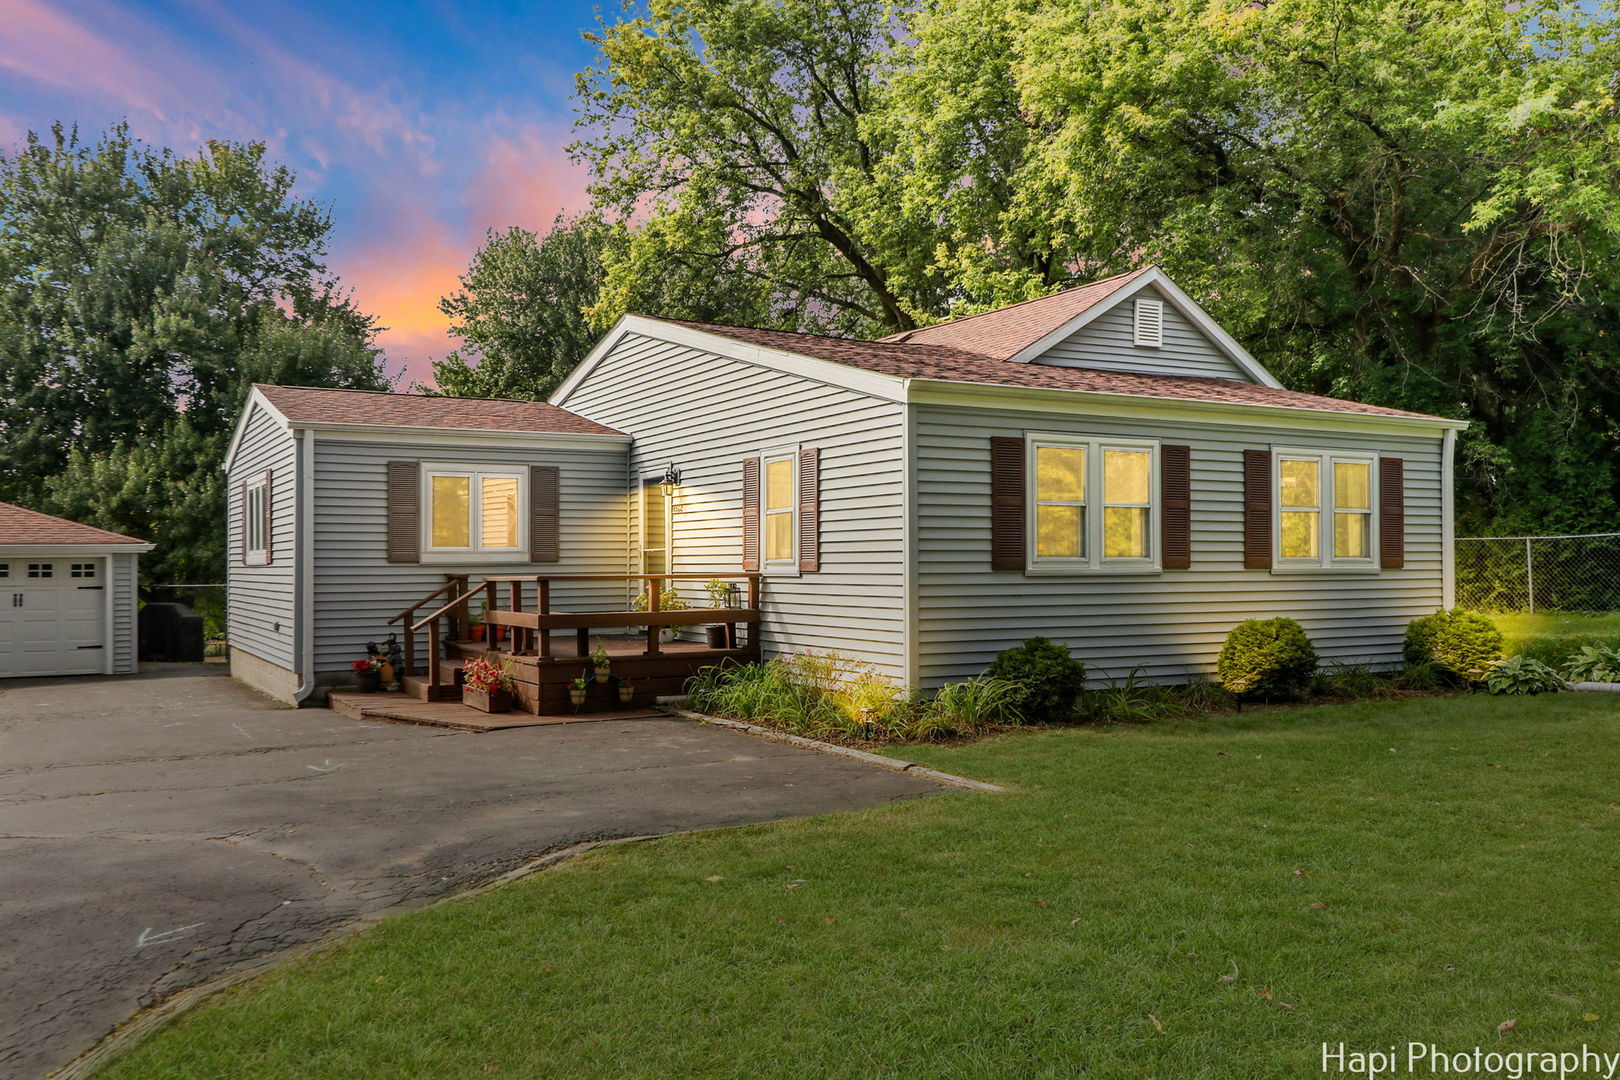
(82, 570)
(255, 522)
(1352, 510)
(5, 570)
(1149, 322)
(41, 569)
(779, 508)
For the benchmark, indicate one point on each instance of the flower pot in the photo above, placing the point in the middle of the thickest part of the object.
(602, 674)
(367, 681)
(716, 634)
(488, 700)
(576, 696)
(497, 633)
(627, 695)
(475, 633)
(385, 674)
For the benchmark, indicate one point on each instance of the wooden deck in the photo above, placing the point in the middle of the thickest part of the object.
(401, 708)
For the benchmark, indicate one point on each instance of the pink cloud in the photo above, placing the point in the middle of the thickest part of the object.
(526, 179)
(400, 280)
(42, 43)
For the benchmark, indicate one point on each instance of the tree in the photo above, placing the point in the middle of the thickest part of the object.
(141, 293)
(521, 310)
(738, 136)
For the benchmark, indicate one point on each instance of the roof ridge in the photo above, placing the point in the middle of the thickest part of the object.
(902, 338)
(824, 337)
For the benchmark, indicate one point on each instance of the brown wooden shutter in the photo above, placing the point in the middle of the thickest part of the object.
(241, 523)
(545, 513)
(1175, 514)
(404, 512)
(750, 513)
(1257, 509)
(1391, 513)
(1006, 503)
(810, 509)
(269, 516)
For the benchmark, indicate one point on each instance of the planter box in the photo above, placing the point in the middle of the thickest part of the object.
(493, 701)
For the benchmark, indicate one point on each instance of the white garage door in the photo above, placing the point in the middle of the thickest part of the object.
(52, 616)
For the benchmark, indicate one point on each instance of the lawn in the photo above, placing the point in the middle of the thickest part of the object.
(1196, 899)
(1556, 636)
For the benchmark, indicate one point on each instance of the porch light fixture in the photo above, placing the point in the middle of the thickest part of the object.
(671, 478)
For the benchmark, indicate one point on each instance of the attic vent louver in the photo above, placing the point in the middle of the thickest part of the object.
(1149, 322)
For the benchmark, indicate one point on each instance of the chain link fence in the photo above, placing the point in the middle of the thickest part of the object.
(1539, 573)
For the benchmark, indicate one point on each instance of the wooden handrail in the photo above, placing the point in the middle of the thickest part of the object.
(457, 602)
(412, 610)
(722, 575)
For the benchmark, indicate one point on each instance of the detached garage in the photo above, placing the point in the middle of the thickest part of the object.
(67, 596)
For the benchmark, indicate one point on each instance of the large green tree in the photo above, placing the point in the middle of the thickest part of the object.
(520, 311)
(141, 293)
(1412, 202)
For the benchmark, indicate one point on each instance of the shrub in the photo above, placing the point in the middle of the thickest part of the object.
(1461, 642)
(1131, 703)
(1267, 658)
(1424, 676)
(1522, 675)
(964, 708)
(1593, 664)
(1049, 680)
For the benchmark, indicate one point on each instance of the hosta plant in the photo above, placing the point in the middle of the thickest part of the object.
(1522, 675)
(1593, 664)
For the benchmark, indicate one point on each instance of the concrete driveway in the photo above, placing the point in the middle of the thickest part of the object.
(156, 830)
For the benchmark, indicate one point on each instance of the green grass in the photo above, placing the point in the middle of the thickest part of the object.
(1423, 869)
(1553, 638)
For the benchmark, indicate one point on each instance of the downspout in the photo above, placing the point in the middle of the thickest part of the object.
(303, 565)
(1448, 521)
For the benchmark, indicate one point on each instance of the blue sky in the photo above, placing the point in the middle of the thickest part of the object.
(420, 124)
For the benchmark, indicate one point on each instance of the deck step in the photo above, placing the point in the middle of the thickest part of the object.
(418, 687)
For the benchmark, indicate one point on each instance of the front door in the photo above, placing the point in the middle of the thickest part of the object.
(657, 538)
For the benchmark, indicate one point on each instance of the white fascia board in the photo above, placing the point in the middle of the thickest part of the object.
(408, 436)
(255, 400)
(67, 551)
(1179, 300)
(1124, 406)
(872, 383)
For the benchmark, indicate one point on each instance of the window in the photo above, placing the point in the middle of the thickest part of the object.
(1093, 504)
(41, 569)
(5, 570)
(1324, 509)
(1149, 323)
(473, 510)
(778, 508)
(82, 570)
(655, 515)
(256, 521)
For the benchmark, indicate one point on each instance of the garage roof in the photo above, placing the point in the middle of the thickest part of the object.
(315, 405)
(20, 526)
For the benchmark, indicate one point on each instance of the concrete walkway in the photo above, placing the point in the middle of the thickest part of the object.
(156, 830)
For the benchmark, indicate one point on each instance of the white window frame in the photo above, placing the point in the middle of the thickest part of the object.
(475, 551)
(791, 563)
(256, 521)
(1092, 561)
(1325, 558)
(1139, 338)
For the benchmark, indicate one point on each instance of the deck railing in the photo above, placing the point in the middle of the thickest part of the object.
(530, 629)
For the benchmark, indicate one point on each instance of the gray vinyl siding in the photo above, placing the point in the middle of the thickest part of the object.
(262, 600)
(1106, 344)
(357, 590)
(1170, 625)
(706, 413)
(121, 582)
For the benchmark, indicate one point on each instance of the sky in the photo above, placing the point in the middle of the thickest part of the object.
(418, 124)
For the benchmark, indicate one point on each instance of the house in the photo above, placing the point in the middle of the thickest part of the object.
(69, 593)
(1105, 466)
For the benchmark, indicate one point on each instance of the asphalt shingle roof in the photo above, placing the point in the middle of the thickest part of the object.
(314, 405)
(21, 526)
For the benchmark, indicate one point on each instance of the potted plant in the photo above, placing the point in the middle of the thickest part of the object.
(475, 624)
(670, 600)
(718, 634)
(487, 686)
(366, 678)
(577, 688)
(627, 692)
(600, 662)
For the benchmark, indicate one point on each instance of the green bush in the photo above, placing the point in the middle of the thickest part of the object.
(1049, 680)
(1267, 659)
(1593, 664)
(1461, 642)
(957, 709)
(1522, 675)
